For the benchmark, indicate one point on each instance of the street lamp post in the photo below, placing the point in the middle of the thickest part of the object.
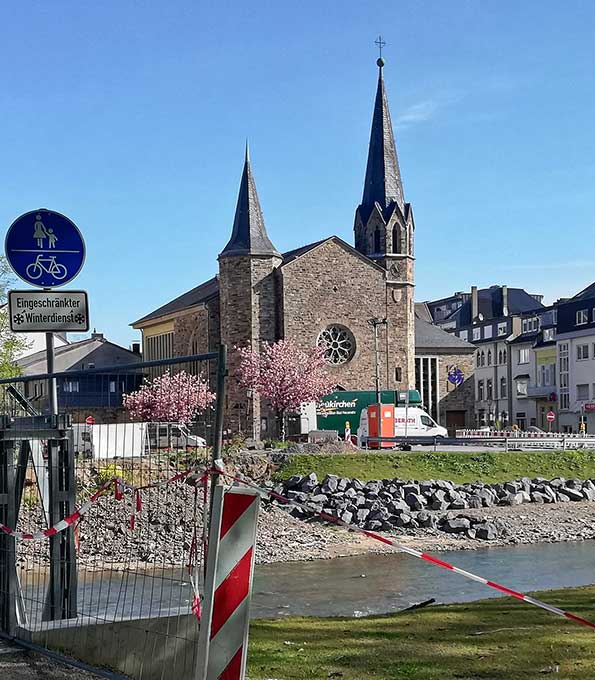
(375, 323)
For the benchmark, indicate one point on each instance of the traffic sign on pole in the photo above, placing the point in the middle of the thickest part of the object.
(550, 417)
(45, 248)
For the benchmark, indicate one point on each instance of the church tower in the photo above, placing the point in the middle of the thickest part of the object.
(247, 300)
(384, 231)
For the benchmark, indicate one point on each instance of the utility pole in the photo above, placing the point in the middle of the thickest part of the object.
(375, 323)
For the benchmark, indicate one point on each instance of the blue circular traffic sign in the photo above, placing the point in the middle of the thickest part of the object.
(45, 248)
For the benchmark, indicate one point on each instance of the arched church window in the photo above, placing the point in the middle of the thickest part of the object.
(397, 242)
(377, 240)
(489, 357)
(338, 344)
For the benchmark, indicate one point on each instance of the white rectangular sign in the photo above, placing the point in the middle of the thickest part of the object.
(35, 311)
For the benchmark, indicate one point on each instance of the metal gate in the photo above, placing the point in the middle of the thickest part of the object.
(102, 518)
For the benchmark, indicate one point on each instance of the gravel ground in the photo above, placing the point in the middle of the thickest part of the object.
(17, 664)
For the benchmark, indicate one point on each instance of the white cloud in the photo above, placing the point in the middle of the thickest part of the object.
(417, 113)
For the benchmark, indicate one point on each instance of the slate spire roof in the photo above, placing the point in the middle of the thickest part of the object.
(249, 235)
(383, 177)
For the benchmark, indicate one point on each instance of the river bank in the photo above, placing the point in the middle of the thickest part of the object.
(172, 514)
(499, 639)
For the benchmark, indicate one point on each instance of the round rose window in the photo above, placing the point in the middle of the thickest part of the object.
(338, 344)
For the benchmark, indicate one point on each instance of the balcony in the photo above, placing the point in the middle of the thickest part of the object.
(541, 391)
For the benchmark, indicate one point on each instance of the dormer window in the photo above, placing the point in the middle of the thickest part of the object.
(582, 317)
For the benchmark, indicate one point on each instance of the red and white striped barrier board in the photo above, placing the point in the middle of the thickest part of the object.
(223, 643)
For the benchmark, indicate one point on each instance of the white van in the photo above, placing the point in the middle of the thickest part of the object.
(410, 422)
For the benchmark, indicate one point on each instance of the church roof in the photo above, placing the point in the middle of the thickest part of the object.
(292, 255)
(193, 297)
(432, 339)
(209, 289)
(383, 177)
(249, 235)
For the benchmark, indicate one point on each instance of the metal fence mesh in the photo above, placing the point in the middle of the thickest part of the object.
(116, 587)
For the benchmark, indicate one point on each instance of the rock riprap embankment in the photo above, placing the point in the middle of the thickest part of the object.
(388, 504)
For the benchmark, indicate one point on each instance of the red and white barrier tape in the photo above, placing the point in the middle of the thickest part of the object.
(119, 486)
(415, 553)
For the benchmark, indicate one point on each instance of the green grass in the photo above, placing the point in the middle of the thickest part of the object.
(491, 466)
(499, 639)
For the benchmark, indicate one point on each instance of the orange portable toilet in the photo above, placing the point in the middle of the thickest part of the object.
(381, 423)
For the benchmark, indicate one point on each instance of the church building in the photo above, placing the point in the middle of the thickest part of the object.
(325, 293)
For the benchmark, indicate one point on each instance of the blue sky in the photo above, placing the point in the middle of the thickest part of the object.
(131, 118)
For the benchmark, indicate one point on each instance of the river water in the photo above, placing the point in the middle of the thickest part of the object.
(348, 586)
(376, 584)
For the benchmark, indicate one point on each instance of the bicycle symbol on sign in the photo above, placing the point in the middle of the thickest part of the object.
(48, 265)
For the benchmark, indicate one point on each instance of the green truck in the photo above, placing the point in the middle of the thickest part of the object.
(337, 408)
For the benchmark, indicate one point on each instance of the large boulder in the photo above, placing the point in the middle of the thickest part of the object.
(415, 501)
(308, 483)
(292, 482)
(438, 500)
(474, 501)
(573, 494)
(458, 525)
(427, 519)
(329, 484)
(486, 531)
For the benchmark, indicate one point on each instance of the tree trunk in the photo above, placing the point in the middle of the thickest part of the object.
(282, 425)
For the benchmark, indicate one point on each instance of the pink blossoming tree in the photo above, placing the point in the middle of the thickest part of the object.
(286, 375)
(177, 398)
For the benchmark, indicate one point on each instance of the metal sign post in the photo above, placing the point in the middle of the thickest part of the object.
(46, 250)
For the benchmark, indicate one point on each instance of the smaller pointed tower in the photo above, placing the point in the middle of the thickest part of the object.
(248, 310)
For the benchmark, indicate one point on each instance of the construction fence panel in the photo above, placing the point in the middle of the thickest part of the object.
(102, 513)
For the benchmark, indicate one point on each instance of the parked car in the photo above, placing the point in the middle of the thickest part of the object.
(173, 436)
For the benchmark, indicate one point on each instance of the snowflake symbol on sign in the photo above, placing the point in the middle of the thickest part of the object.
(18, 319)
(79, 318)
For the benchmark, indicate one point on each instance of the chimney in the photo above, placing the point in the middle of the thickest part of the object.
(504, 300)
(474, 304)
(135, 348)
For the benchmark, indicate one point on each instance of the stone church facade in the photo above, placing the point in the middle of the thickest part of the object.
(323, 293)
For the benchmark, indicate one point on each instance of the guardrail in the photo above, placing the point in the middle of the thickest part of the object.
(562, 442)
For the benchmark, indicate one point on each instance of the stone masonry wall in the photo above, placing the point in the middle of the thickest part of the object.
(461, 398)
(332, 285)
(247, 317)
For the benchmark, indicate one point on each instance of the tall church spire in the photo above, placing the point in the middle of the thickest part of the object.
(383, 177)
(249, 235)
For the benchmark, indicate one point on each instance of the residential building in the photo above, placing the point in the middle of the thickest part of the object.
(489, 318)
(575, 344)
(94, 394)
